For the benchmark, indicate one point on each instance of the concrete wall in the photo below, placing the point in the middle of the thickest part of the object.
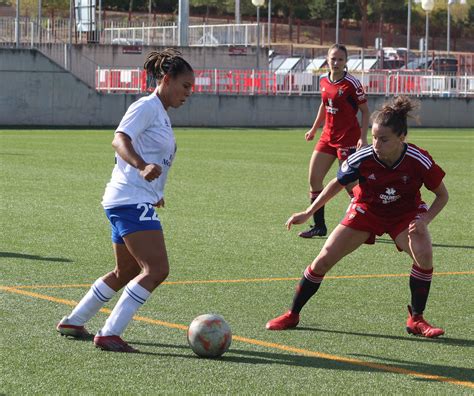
(37, 92)
(198, 57)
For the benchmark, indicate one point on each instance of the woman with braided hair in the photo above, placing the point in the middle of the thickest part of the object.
(145, 148)
(387, 199)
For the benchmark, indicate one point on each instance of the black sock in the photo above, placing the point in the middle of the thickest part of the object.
(420, 282)
(318, 216)
(308, 286)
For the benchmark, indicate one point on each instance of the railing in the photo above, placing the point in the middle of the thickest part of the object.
(253, 82)
(53, 45)
(198, 35)
(165, 34)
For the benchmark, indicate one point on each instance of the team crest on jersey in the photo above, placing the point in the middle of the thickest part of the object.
(405, 179)
(340, 92)
(371, 177)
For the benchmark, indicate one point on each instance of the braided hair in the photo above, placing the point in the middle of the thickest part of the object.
(169, 61)
(394, 114)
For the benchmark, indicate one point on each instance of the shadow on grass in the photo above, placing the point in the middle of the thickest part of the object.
(460, 373)
(410, 338)
(241, 356)
(34, 257)
(389, 241)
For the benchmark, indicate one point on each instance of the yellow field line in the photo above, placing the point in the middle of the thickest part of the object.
(251, 280)
(271, 345)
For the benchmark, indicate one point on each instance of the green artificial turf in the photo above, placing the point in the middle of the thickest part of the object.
(228, 196)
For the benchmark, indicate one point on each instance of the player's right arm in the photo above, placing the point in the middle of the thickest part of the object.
(317, 123)
(123, 147)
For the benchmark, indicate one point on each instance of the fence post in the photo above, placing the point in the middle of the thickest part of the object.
(32, 33)
(216, 89)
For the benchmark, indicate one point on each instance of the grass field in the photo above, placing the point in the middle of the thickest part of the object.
(228, 196)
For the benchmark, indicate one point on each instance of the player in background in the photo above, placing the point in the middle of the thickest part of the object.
(342, 98)
(387, 199)
(145, 149)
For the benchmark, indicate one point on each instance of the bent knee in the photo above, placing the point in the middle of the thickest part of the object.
(322, 264)
(158, 275)
(126, 274)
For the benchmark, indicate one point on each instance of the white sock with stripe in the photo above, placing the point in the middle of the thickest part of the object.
(132, 298)
(96, 297)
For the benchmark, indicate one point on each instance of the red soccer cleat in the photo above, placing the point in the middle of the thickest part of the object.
(69, 330)
(288, 320)
(113, 344)
(416, 325)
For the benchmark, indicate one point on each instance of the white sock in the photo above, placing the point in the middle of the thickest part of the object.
(96, 297)
(132, 298)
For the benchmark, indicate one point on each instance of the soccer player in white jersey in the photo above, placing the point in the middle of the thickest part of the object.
(387, 199)
(145, 149)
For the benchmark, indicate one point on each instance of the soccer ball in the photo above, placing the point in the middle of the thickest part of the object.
(209, 335)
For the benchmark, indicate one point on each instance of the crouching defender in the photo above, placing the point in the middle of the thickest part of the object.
(387, 199)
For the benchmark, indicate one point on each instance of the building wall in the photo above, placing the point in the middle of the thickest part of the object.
(198, 57)
(37, 92)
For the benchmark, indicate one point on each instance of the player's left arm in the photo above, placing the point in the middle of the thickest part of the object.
(364, 128)
(440, 201)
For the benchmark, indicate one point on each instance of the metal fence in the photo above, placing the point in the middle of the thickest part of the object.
(53, 42)
(253, 82)
(49, 30)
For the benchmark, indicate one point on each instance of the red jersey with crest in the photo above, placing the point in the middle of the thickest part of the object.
(341, 99)
(390, 191)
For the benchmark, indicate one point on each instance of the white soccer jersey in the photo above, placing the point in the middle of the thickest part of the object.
(147, 124)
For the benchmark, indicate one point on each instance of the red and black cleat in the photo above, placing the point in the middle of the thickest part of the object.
(417, 325)
(69, 330)
(113, 344)
(286, 321)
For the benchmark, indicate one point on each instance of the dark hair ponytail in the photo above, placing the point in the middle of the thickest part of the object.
(168, 61)
(395, 114)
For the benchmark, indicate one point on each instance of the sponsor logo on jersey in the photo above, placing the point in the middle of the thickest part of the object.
(330, 109)
(390, 196)
(168, 162)
(360, 93)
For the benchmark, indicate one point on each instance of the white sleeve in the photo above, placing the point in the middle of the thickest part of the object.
(137, 119)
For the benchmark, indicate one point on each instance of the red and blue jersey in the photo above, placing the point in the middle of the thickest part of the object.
(390, 190)
(341, 99)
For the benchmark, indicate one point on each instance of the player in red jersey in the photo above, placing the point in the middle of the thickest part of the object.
(387, 199)
(342, 97)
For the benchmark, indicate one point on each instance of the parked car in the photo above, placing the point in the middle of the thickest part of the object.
(127, 41)
(399, 53)
(437, 64)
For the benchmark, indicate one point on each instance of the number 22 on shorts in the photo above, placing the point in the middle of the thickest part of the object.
(147, 210)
